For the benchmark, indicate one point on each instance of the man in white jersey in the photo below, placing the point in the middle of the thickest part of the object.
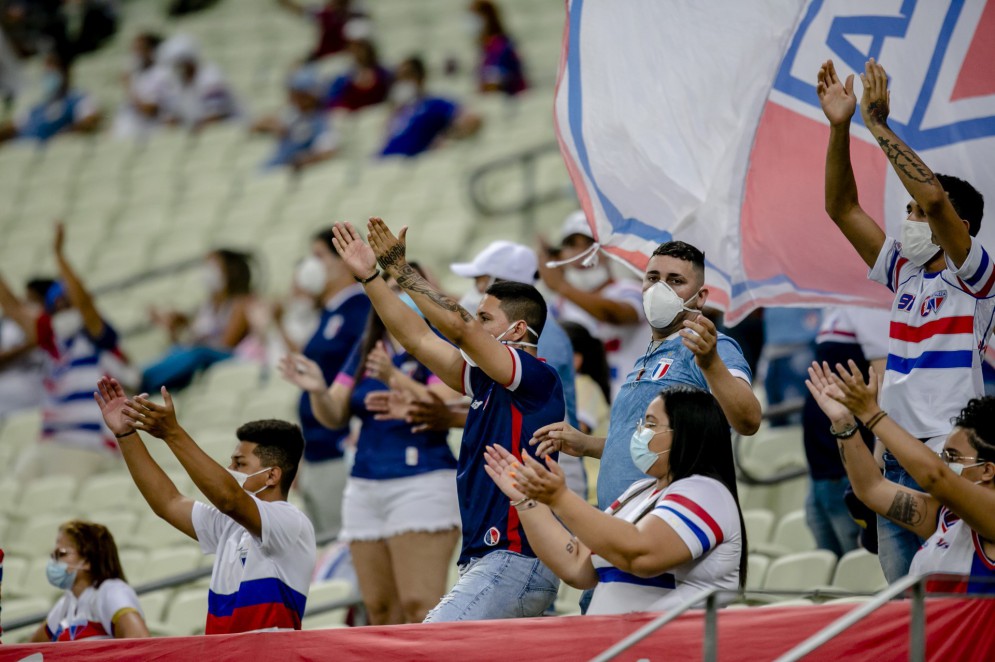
(943, 280)
(264, 545)
(588, 293)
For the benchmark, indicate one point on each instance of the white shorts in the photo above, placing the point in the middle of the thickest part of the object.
(381, 509)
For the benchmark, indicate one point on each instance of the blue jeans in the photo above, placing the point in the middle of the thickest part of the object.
(896, 545)
(828, 517)
(502, 584)
(178, 367)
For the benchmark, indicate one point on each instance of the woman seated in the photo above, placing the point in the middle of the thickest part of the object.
(954, 514)
(98, 602)
(665, 538)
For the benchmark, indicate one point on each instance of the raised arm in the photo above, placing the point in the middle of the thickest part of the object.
(911, 509)
(948, 228)
(451, 319)
(972, 503)
(598, 306)
(213, 480)
(78, 295)
(156, 487)
(16, 310)
(842, 204)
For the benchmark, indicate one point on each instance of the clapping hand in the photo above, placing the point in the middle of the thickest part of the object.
(303, 373)
(852, 392)
(876, 99)
(390, 250)
(111, 399)
(559, 437)
(379, 365)
(826, 394)
(502, 466)
(157, 420)
(358, 257)
(837, 99)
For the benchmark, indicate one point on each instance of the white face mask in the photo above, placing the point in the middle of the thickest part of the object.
(241, 477)
(589, 279)
(471, 300)
(403, 92)
(662, 305)
(311, 275)
(213, 279)
(67, 323)
(917, 242)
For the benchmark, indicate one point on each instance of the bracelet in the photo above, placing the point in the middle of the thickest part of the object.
(126, 434)
(845, 433)
(516, 504)
(875, 419)
(364, 281)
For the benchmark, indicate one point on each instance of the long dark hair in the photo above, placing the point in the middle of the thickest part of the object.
(702, 446)
(593, 359)
(237, 271)
(375, 331)
(491, 15)
(97, 547)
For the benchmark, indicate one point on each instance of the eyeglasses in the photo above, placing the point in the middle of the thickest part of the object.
(61, 552)
(643, 425)
(949, 455)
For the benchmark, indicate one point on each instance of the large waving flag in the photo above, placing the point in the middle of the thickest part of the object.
(699, 121)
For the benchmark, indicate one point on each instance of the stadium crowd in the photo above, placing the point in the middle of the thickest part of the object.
(595, 411)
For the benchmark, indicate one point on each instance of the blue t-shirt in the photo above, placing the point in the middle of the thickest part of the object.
(342, 322)
(388, 449)
(47, 119)
(303, 134)
(556, 350)
(506, 416)
(415, 126)
(670, 364)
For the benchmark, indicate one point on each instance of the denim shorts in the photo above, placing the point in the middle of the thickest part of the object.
(502, 584)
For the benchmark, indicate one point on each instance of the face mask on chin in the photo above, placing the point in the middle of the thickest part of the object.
(589, 279)
(662, 305)
(67, 323)
(917, 242)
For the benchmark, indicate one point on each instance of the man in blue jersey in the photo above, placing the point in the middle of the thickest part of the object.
(513, 394)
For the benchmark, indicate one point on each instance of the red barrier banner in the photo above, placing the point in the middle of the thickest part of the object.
(956, 629)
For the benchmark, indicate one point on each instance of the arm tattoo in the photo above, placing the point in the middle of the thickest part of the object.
(393, 257)
(409, 279)
(906, 161)
(878, 112)
(572, 545)
(907, 509)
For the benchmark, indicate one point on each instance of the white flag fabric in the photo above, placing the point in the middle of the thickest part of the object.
(699, 121)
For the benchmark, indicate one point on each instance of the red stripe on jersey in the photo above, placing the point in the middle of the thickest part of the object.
(700, 512)
(944, 326)
(983, 292)
(462, 377)
(898, 269)
(946, 585)
(254, 617)
(514, 538)
(514, 369)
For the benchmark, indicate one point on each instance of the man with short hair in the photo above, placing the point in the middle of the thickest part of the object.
(265, 546)
(492, 359)
(942, 278)
(685, 348)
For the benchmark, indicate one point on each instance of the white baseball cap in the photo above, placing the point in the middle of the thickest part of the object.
(576, 223)
(505, 260)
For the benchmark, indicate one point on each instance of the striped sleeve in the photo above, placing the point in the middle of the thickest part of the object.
(888, 268)
(701, 511)
(977, 275)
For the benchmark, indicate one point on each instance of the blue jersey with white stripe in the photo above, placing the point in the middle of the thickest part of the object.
(940, 324)
(504, 415)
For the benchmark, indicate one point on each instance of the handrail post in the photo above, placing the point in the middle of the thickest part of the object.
(917, 623)
(710, 647)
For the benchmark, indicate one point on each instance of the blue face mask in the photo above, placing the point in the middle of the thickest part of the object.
(59, 575)
(406, 298)
(51, 83)
(639, 448)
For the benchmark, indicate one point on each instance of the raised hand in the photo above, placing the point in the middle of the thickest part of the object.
(699, 336)
(387, 405)
(502, 466)
(858, 397)
(303, 373)
(826, 394)
(429, 415)
(559, 437)
(545, 484)
(379, 364)
(390, 250)
(837, 99)
(876, 99)
(111, 399)
(358, 257)
(157, 420)
(59, 240)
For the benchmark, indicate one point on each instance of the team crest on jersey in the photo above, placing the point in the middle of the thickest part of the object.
(492, 537)
(906, 302)
(332, 327)
(932, 303)
(408, 368)
(948, 520)
(662, 368)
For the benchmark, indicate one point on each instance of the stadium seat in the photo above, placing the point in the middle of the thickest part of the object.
(20, 608)
(756, 570)
(170, 561)
(10, 490)
(796, 572)
(47, 494)
(152, 533)
(15, 569)
(772, 450)
(20, 429)
(133, 563)
(120, 522)
(35, 582)
(187, 613)
(567, 600)
(109, 491)
(859, 571)
(36, 535)
(791, 535)
(324, 593)
(154, 604)
(759, 523)
(232, 376)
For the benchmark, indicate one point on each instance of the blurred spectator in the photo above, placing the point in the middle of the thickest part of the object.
(81, 346)
(789, 348)
(98, 603)
(217, 327)
(366, 84)
(331, 19)
(181, 7)
(199, 94)
(305, 134)
(147, 86)
(419, 121)
(588, 293)
(83, 26)
(593, 393)
(61, 108)
(499, 69)
(22, 363)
